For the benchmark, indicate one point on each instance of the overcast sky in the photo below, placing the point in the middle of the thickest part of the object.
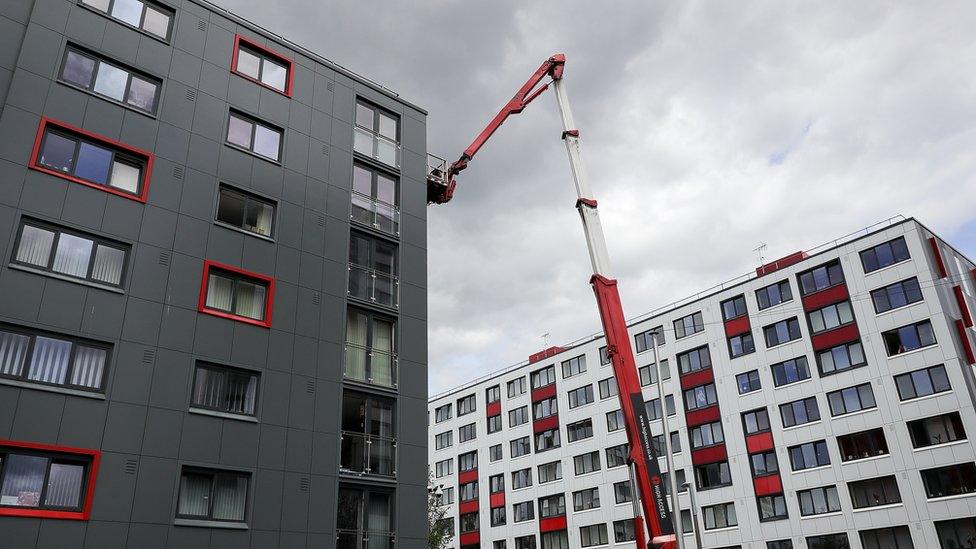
(707, 129)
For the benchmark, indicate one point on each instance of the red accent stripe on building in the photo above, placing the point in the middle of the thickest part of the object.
(768, 485)
(269, 299)
(544, 424)
(465, 477)
(290, 65)
(973, 272)
(781, 263)
(737, 326)
(825, 297)
(694, 379)
(937, 252)
(466, 507)
(544, 354)
(967, 347)
(832, 338)
(542, 393)
(86, 504)
(552, 524)
(967, 318)
(493, 408)
(709, 455)
(701, 416)
(497, 500)
(471, 538)
(759, 442)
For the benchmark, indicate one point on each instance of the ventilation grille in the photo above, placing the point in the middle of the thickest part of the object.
(149, 356)
(178, 172)
(331, 86)
(317, 298)
(202, 25)
(164, 258)
(303, 484)
(321, 220)
(325, 150)
(310, 387)
(191, 95)
(130, 467)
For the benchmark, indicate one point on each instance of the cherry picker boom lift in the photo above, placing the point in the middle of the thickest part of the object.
(645, 472)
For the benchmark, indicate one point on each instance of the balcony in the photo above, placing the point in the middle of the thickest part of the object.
(372, 366)
(376, 147)
(374, 286)
(368, 455)
(349, 539)
(374, 213)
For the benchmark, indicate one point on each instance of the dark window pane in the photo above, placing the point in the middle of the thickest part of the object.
(23, 480)
(78, 69)
(230, 209)
(58, 152)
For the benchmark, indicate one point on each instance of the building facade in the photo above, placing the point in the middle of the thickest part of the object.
(824, 401)
(213, 311)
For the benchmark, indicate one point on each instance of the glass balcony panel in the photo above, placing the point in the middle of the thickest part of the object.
(385, 289)
(386, 152)
(376, 540)
(352, 454)
(349, 540)
(383, 369)
(375, 213)
(382, 456)
(363, 142)
(360, 282)
(362, 209)
(387, 218)
(356, 360)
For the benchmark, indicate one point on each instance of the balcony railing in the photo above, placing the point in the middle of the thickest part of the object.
(376, 147)
(368, 455)
(371, 366)
(351, 539)
(374, 213)
(371, 285)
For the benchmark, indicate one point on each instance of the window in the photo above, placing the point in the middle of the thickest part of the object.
(580, 430)
(734, 308)
(555, 540)
(908, 338)
(894, 537)
(443, 440)
(499, 544)
(587, 463)
(648, 374)
(518, 416)
(675, 442)
(935, 430)
(741, 345)
(368, 434)
(83, 157)
(782, 332)
(447, 498)
(790, 371)
(862, 445)
(148, 16)
(373, 271)
(110, 80)
(809, 455)
(669, 405)
(516, 387)
(617, 456)
(494, 424)
(525, 542)
(496, 483)
(952, 480)
(623, 531)
(830, 317)
(574, 366)
(840, 358)
(374, 199)
(622, 492)
(712, 475)
(896, 295)
(700, 397)
(261, 65)
(829, 541)
(608, 388)
(467, 432)
(493, 394)
(956, 533)
(883, 255)
(468, 461)
(748, 382)
(53, 359)
(495, 453)
(586, 499)
(442, 413)
(370, 348)
(688, 325)
(686, 521)
(547, 440)
(212, 495)
(39, 480)
(874, 492)
(468, 491)
(236, 294)
(924, 382)
(818, 501)
(695, 359)
(774, 294)
(755, 421)
(543, 377)
(552, 506)
(719, 516)
(247, 133)
(377, 134)
(708, 434)
(653, 409)
(520, 447)
(469, 522)
(498, 518)
(822, 277)
(851, 399)
(225, 389)
(581, 396)
(521, 478)
(550, 472)
(443, 468)
(604, 356)
(615, 421)
(780, 544)
(764, 464)
(522, 512)
(644, 341)
(591, 536)
(466, 405)
(544, 408)
(71, 254)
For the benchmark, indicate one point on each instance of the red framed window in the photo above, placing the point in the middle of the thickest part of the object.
(262, 66)
(230, 292)
(47, 481)
(90, 159)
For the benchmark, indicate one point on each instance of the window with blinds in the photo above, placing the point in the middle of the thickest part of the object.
(233, 293)
(224, 389)
(68, 253)
(49, 359)
(213, 495)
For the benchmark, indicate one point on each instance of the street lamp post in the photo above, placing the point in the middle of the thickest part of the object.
(694, 514)
(672, 480)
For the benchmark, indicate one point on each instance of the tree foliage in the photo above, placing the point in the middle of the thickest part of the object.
(439, 531)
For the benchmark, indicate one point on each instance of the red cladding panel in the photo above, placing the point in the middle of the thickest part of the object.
(552, 524)
(95, 458)
(967, 318)
(497, 500)
(973, 272)
(465, 477)
(468, 507)
(494, 408)
(781, 263)
(269, 298)
(759, 442)
(825, 297)
(544, 354)
(768, 485)
(967, 347)
(289, 64)
(471, 538)
(937, 252)
(835, 337)
(694, 379)
(702, 416)
(551, 422)
(543, 393)
(709, 455)
(737, 326)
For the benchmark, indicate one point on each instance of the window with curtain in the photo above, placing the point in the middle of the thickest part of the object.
(364, 514)
(225, 389)
(52, 359)
(42, 480)
(370, 349)
(68, 253)
(368, 442)
(245, 211)
(236, 294)
(213, 495)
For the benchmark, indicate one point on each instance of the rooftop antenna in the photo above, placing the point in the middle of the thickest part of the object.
(760, 249)
(545, 340)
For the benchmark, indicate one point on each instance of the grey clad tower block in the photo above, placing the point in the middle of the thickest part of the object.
(213, 280)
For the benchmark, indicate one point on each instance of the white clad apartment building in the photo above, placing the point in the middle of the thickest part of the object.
(825, 401)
